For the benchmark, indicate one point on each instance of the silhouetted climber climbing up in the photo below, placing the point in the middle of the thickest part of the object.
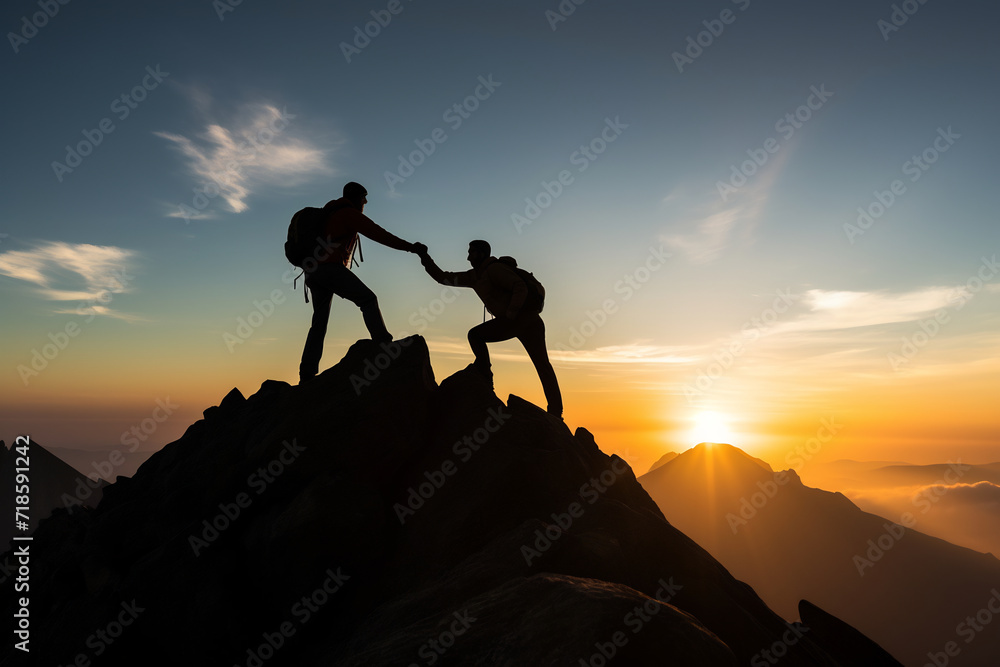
(331, 274)
(515, 306)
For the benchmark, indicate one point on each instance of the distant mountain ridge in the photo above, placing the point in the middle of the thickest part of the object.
(882, 473)
(957, 502)
(904, 589)
(666, 458)
(108, 463)
(53, 484)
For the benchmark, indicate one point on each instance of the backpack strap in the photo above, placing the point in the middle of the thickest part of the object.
(305, 290)
(489, 261)
(361, 255)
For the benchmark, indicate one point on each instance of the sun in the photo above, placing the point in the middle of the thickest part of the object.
(710, 426)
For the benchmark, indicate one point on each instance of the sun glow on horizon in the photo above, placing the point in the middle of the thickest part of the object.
(710, 426)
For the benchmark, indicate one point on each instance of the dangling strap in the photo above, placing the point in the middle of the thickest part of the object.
(361, 255)
(305, 290)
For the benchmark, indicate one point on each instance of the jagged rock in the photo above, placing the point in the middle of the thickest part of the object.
(231, 404)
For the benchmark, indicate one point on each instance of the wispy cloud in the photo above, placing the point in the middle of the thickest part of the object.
(190, 214)
(616, 354)
(260, 147)
(850, 331)
(833, 336)
(977, 493)
(710, 235)
(98, 309)
(627, 354)
(815, 327)
(73, 272)
(829, 310)
(980, 492)
(707, 226)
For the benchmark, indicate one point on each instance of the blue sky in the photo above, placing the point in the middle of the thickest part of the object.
(225, 77)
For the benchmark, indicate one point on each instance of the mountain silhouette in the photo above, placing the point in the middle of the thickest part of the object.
(957, 504)
(53, 484)
(909, 592)
(375, 517)
(666, 458)
(108, 462)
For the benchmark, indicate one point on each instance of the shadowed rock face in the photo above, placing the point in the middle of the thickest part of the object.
(372, 517)
(840, 639)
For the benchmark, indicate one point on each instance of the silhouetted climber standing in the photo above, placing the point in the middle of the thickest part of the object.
(333, 275)
(506, 295)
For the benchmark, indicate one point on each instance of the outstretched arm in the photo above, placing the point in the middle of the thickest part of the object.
(463, 279)
(367, 227)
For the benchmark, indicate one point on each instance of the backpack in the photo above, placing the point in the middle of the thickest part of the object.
(535, 300)
(305, 230)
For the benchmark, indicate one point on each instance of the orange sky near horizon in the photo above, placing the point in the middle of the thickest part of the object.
(911, 423)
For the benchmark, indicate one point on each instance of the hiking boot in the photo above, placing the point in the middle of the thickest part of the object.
(483, 371)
